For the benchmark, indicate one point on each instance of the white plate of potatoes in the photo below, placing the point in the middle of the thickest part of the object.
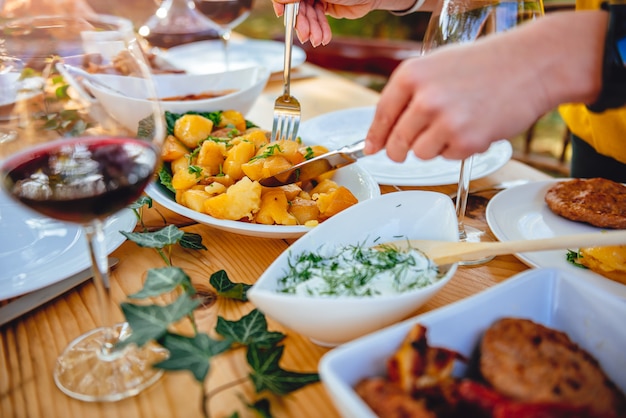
(216, 183)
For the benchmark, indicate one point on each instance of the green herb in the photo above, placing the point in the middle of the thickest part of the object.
(356, 270)
(309, 153)
(153, 322)
(194, 169)
(573, 257)
(268, 152)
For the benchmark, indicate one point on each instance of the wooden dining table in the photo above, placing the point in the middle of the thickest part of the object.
(30, 344)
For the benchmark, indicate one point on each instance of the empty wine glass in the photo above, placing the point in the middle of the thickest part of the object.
(72, 161)
(227, 14)
(177, 22)
(459, 21)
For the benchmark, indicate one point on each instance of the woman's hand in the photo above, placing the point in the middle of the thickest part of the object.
(312, 24)
(458, 99)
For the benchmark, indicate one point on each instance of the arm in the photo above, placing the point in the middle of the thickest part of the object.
(458, 99)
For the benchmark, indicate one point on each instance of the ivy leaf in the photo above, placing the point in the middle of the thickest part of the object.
(268, 375)
(261, 407)
(142, 201)
(225, 288)
(191, 353)
(164, 280)
(158, 239)
(249, 329)
(150, 322)
(192, 241)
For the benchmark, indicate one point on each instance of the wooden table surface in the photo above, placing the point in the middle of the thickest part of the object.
(29, 345)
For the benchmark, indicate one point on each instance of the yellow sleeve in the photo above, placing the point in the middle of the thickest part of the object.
(605, 132)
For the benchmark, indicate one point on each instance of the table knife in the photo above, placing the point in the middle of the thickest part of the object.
(36, 298)
(314, 167)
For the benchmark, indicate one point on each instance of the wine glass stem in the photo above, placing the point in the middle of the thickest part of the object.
(100, 266)
(225, 37)
(462, 194)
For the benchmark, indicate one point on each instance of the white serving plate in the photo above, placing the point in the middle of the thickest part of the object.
(36, 251)
(355, 178)
(343, 127)
(521, 213)
(208, 56)
(591, 317)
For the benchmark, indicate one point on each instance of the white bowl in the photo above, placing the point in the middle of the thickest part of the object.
(332, 321)
(133, 105)
(593, 318)
(356, 179)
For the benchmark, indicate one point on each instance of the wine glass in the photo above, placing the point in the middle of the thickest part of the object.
(177, 22)
(459, 21)
(227, 14)
(71, 161)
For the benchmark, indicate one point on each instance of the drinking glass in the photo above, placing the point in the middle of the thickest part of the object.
(459, 21)
(69, 159)
(177, 22)
(227, 14)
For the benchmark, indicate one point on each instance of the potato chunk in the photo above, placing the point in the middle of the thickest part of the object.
(191, 129)
(334, 202)
(274, 206)
(241, 201)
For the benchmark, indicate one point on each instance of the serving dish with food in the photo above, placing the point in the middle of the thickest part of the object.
(212, 164)
(179, 93)
(522, 212)
(574, 310)
(366, 289)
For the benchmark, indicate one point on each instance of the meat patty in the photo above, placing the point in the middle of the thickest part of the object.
(597, 201)
(529, 362)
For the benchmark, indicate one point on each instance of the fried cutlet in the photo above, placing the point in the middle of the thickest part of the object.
(529, 362)
(597, 201)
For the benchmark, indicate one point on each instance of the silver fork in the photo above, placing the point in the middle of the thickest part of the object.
(287, 107)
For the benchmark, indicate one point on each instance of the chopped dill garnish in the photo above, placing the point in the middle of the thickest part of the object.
(357, 270)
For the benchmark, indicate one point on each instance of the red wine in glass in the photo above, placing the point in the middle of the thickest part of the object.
(78, 180)
(227, 14)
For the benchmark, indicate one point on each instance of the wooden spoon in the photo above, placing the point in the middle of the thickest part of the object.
(448, 252)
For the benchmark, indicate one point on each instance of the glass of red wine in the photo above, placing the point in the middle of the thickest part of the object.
(70, 160)
(177, 22)
(227, 14)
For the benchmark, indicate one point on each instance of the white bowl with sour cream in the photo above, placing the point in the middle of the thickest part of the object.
(330, 313)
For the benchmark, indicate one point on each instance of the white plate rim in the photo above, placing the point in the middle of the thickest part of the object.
(511, 209)
(262, 51)
(398, 174)
(157, 192)
(25, 281)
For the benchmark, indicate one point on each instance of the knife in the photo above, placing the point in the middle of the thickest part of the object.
(36, 298)
(314, 167)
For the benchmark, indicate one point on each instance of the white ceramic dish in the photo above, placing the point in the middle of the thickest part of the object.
(208, 56)
(591, 317)
(521, 213)
(36, 251)
(344, 127)
(130, 108)
(332, 321)
(356, 179)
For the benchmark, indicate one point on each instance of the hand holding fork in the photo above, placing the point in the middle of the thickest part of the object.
(287, 107)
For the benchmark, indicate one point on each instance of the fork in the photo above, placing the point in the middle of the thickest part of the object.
(287, 107)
